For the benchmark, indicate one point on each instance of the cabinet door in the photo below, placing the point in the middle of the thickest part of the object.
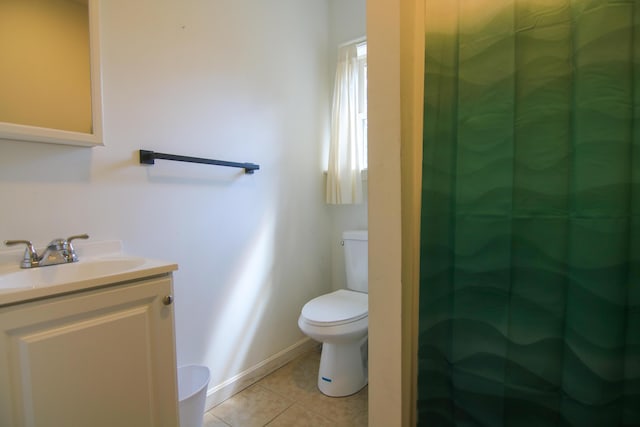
(96, 358)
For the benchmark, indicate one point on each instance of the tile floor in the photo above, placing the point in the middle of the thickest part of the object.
(290, 397)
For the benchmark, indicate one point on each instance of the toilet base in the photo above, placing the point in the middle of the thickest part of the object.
(343, 368)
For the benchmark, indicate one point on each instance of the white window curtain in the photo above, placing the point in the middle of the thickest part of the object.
(344, 182)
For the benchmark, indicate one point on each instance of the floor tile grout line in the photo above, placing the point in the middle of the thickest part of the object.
(270, 390)
(283, 411)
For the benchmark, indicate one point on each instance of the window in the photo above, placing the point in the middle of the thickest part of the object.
(362, 100)
(348, 144)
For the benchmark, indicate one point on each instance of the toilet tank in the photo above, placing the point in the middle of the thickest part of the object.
(356, 252)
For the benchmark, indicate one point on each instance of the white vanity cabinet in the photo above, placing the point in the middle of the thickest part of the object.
(92, 358)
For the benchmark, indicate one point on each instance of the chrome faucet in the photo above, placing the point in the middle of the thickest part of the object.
(58, 251)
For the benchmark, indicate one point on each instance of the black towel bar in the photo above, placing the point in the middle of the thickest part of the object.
(148, 158)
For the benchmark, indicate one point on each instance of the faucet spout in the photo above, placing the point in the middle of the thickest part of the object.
(60, 251)
(56, 252)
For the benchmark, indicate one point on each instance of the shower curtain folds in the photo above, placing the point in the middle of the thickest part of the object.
(530, 234)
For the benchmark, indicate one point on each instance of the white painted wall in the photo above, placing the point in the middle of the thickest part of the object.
(347, 22)
(235, 80)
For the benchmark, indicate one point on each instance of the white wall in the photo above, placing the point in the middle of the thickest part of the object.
(347, 22)
(235, 80)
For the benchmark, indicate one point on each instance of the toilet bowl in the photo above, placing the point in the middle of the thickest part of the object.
(339, 320)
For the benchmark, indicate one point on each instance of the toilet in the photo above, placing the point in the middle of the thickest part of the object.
(340, 321)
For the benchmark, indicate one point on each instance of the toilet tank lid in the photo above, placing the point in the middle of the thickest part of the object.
(355, 235)
(339, 306)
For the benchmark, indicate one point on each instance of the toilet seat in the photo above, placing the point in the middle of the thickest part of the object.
(336, 308)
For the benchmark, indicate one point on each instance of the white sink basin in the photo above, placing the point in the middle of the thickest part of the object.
(101, 264)
(67, 273)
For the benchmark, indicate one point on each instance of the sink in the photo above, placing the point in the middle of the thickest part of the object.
(101, 264)
(82, 270)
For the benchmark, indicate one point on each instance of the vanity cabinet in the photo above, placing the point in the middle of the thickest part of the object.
(101, 357)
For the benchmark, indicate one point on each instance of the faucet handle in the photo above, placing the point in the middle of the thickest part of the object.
(72, 251)
(77, 236)
(30, 255)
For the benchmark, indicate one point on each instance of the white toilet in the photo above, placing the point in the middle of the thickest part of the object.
(340, 321)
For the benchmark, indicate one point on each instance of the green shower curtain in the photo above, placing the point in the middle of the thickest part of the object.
(530, 238)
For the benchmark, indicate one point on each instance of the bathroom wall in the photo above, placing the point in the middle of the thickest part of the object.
(347, 22)
(235, 80)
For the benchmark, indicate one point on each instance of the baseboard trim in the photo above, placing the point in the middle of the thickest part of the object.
(221, 392)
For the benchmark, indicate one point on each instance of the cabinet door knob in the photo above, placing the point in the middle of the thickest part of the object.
(167, 300)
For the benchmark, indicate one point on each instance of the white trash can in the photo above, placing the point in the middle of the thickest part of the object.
(192, 393)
